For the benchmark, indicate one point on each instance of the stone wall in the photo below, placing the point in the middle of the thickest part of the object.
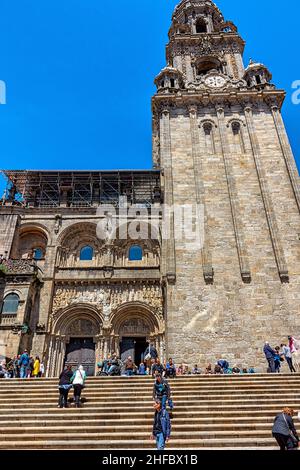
(232, 317)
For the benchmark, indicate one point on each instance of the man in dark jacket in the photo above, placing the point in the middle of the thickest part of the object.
(162, 392)
(270, 354)
(161, 426)
(284, 430)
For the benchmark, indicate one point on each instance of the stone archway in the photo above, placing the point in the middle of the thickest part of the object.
(139, 323)
(81, 323)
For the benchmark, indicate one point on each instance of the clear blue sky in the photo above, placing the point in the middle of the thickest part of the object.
(79, 76)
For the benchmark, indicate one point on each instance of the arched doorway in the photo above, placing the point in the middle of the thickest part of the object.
(76, 340)
(135, 325)
(134, 337)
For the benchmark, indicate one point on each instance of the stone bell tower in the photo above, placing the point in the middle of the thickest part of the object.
(220, 141)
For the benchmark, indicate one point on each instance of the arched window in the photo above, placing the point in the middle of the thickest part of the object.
(38, 253)
(236, 128)
(238, 137)
(11, 304)
(209, 137)
(201, 26)
(86, 253)
(208, 64)
(135, 253)
(207, 126)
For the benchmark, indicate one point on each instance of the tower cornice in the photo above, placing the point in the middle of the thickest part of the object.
(224, 98)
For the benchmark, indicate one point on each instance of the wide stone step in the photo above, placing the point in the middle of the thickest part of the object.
(141, 414)
(148, 402)
(133, 428)
(149, 385)
(143, 435)
(276, 408)
(125, 395)
(119, 394)
(242, 443)
(201, 380)
(68, 420)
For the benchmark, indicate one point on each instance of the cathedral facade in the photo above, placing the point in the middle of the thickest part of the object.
(93, 265)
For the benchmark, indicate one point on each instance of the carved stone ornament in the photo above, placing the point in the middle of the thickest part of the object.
(108, 298)
(135, 326)
(82, 327)
(40, 328)
(215, 80)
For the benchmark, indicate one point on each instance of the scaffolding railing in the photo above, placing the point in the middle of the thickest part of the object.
(81, 188)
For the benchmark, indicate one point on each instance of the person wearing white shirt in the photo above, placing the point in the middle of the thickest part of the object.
(286, 351)
(78, 380)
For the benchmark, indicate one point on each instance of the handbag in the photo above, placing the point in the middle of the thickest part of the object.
(294, 439)
(148, 355)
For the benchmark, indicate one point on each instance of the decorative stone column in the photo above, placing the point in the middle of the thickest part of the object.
(50, 356)
(286, 151)
(208, 272)
(62, 354)
(169, 260)
(269, 209)
(233, 198)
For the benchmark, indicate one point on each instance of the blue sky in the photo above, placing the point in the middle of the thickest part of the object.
(79, 76)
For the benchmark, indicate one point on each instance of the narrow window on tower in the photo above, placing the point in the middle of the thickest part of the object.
(258, 79)
(209, 138)
(239, 145)
(172, 81)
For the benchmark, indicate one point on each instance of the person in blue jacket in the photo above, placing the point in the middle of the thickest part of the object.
(24, 364)
(161, 426)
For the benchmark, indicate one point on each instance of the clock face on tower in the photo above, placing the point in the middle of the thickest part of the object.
(216, 81)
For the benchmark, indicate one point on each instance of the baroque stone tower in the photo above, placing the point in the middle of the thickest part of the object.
(221, 144)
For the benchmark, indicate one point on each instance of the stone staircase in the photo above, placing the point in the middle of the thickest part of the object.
(211, 412)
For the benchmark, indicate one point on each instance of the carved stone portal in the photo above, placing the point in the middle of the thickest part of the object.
(82, 327)
(135, 326)
(108, 298)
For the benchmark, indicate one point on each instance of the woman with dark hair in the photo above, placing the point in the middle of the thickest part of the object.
(284, 430)
(64, 386)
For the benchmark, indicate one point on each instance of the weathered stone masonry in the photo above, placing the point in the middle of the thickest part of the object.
(220, 144)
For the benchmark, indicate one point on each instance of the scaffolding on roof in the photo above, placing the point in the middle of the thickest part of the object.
(81, 188)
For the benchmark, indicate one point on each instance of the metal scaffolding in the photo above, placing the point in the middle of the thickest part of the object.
(81, 188)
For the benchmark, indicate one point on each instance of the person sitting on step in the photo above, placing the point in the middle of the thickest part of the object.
(170, 369)
(157, 368)
(196, 370)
